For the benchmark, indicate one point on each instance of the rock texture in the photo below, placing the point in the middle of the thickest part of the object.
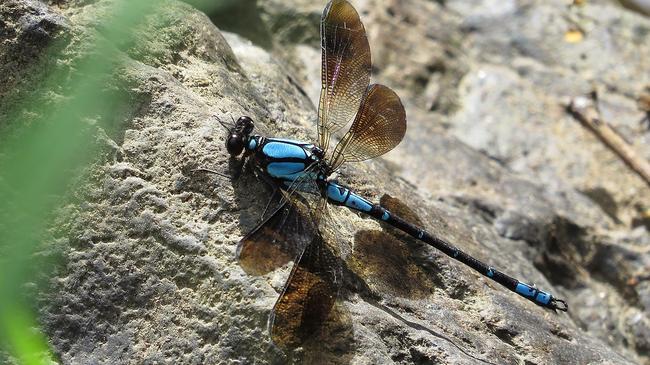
(491, 161)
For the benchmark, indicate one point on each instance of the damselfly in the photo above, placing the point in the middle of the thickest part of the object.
(302, 172)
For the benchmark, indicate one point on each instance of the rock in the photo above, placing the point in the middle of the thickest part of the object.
(27, 30)
(491, 162)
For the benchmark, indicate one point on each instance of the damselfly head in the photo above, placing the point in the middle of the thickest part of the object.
(244, 125)
(238, 135)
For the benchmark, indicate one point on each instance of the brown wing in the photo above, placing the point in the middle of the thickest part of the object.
(281, 237)
(345, 68)
(289, 232)
(308, 295)
(379, 126)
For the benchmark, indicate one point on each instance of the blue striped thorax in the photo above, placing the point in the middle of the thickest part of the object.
(286, 160)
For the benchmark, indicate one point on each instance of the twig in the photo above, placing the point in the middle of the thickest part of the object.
(583, 110)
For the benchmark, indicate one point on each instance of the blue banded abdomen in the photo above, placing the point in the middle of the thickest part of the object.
(340, 195)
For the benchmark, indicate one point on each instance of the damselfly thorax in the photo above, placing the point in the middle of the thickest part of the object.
(286, 161)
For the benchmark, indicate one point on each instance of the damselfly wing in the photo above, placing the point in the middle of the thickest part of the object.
(282, 235)
(345, 69)
(378, 127)
(308, 295)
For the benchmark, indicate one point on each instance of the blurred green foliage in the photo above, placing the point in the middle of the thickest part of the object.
(39, 158)
(44, 148)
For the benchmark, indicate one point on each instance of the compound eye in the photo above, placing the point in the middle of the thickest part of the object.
(234, 145)
(246, 124)
(244, 120)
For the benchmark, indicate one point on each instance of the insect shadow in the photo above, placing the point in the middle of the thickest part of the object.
(388, 260)
(383, 263)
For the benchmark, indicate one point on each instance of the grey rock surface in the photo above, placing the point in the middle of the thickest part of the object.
(491, 161)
